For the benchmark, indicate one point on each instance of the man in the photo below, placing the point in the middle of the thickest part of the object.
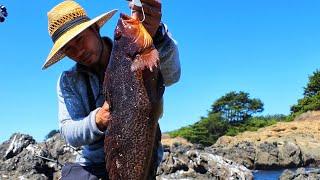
(83, 113)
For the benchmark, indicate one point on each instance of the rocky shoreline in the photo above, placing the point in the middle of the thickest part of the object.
(186, 161)
(21, 157)
(283, 145)
(301, 173)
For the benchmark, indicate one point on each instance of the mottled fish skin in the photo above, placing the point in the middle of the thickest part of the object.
(133, 87)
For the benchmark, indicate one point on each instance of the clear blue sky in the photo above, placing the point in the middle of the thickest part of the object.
(267, 48)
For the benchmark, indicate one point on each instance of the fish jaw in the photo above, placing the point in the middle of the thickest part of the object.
(132, 35)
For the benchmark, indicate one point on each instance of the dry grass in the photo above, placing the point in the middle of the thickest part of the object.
(167, 140)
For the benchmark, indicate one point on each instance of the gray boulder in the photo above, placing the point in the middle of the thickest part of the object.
(262, 155)
(267, 156)
(301, 174)
(191, 163)
(17, 143)
(23, 158)
(289, 155)
(242, 153)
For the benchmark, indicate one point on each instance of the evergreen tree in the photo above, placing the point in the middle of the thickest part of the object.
(51, 134)
(313, 86)
(237, 106)
(311, 99)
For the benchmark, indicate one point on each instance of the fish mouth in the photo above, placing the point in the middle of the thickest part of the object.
(125, 17)
(124, 22)
(128, 19)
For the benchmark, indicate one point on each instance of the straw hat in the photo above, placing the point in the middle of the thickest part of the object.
(65, 21)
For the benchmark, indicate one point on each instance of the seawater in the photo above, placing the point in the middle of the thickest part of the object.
(267, 175)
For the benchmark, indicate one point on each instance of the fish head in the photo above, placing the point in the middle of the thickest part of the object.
(132, 35)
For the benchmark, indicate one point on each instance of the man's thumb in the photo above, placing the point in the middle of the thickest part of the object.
(105, 106)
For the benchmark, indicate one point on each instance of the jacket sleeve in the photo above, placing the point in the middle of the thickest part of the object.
(77, 127)
(169, 55)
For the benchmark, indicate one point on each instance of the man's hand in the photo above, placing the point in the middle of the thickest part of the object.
(103, 117)
(152, 11)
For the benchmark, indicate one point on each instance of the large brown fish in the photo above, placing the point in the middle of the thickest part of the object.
(133, 87)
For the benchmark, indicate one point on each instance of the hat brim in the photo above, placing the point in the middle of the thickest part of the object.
(56, 54)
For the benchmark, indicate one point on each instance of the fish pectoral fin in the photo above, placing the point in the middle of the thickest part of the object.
(147, 59)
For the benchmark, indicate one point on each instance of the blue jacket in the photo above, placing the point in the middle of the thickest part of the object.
(77, 122)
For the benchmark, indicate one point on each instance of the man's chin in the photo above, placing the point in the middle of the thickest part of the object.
(93, 64)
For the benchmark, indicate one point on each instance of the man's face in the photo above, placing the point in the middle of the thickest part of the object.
(85, 48)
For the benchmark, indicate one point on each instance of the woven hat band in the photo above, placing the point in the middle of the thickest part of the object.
(62, 29)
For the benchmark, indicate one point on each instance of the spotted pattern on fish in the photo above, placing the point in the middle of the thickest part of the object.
(133, 87)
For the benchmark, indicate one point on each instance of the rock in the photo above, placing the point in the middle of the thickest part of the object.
(289, 155)
(17, 143)
(24, 158)
(282, 145)
(267, 156)
(190, 163)
(309, 148)
(300, 174)
(27, 159)
(278, 155)
(242, 153)
(286, 174)
(25, 164)
(309, 116)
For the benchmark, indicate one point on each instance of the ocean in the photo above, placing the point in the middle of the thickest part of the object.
(267, 175)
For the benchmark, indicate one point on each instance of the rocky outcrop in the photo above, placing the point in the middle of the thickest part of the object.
(308, 116)
(21, 157)
(283, 145)
(17, 144)
(300, 174)
(243, 153)
(190, 162)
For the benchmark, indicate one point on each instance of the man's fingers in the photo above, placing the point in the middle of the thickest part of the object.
(106, 115)
(148, 9)
(149, 20)
(152, 3)
(152, 17)
(151, 10)
(106, 118)
(105, 106)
